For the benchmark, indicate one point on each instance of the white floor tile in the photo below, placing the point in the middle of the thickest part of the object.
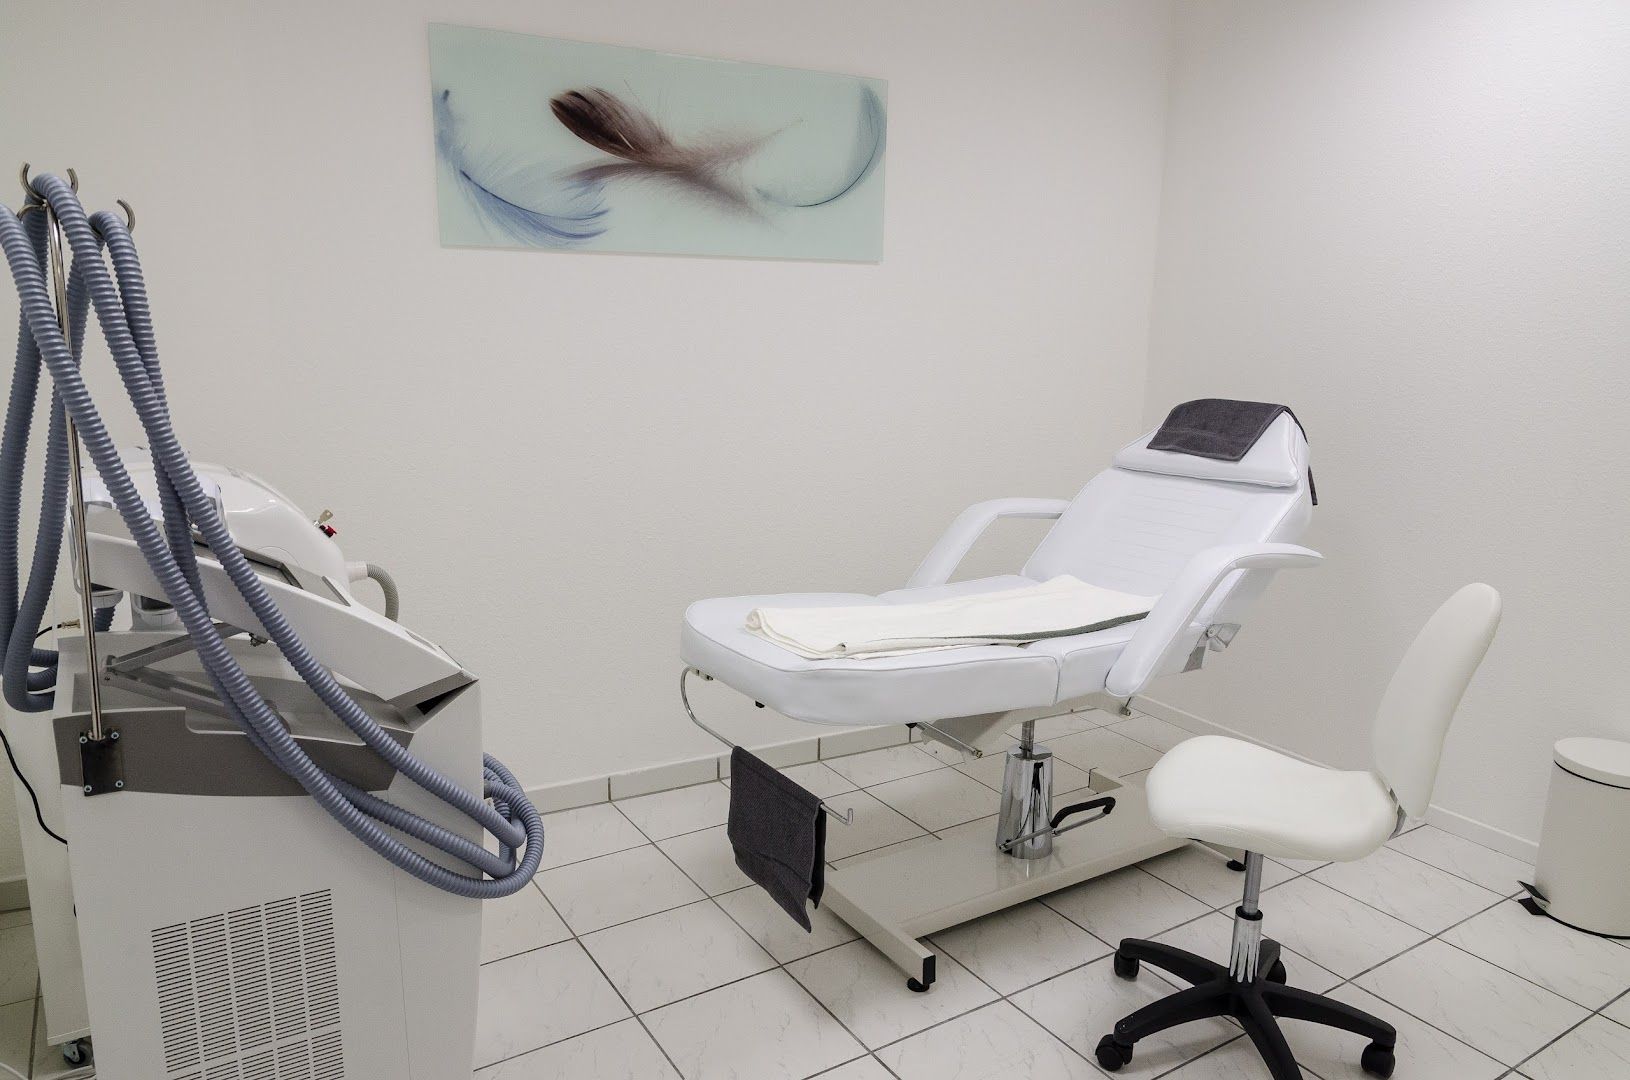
(875, 824)
(869, 994)
(888, 851)
(682, 810)
(938, 800)
(881, 766)
(518, 923)
(1619, 1010)
(995, 1041)
(866, 1068)
(1506, 1017)
(1423, 1051)
(989, 770)
(1239, 1060)
(17, 1034)
(945, 755)
(818, 779)
(1408, 889)
(1082, 1006)
(1127, 903)
(585, 833)
(1101, 749)
(1021, 946)
(707, 858)
(622, 1051)
(1302, 866)
(1474, 862)
(1589, 970)
(661, 958)
(1332, 929)
(774, 929)
(598, 893)
(1204, 875)
(1056, 727)
(16, 917)
(19, 973)
(1212, 937)
(540, 997)
(763, 1028)
(1595, 1050)
(1152, 732)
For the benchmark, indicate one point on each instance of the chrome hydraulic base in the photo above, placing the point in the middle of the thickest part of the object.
(1024, 824)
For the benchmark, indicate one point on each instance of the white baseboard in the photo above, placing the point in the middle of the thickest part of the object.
(570, 794)
(1449, 821)
(1479, 833)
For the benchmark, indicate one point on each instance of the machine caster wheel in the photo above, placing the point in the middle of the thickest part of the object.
(1277, 972)
(1378, 1060)
(1112, 1055)
(76, 1052)
(1126, 966)
(916, 986)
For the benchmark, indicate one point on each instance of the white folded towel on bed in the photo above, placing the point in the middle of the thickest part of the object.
(1059, 607)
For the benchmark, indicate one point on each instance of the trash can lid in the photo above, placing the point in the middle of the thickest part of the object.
(1606, 761)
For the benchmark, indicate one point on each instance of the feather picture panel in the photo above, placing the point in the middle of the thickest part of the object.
(570, 146)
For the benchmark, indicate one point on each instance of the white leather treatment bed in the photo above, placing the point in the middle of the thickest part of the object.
(1202, 536)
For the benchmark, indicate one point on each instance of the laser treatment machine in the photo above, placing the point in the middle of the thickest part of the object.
(266, 825)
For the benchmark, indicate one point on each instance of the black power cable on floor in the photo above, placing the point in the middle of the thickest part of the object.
(30, 788)
(18, 770)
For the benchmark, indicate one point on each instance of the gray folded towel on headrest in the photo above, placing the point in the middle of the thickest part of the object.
(1222, 429)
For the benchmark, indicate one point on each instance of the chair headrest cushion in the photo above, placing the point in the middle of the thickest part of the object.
(1279, 459)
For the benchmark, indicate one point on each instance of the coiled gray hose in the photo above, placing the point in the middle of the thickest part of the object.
(125, 320)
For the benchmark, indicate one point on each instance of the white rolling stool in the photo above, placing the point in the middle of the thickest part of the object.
(1239, 795)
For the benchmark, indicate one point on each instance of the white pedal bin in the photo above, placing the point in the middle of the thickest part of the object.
(1583, 870)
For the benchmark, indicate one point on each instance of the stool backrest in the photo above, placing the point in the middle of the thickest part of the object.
(1425, 691)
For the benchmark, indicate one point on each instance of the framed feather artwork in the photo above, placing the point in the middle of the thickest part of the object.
(569, 146)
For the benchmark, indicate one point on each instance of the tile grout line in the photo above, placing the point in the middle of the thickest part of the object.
(779, 966)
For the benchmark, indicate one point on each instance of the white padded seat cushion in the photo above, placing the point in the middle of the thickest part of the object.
(1236, 794)
(915, 688)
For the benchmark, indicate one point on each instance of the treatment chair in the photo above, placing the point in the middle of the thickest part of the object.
(1203, 535)
(1239, 795)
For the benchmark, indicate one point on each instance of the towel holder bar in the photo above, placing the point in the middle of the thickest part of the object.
(846, 818)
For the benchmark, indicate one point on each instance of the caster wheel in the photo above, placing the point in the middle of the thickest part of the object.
(916, 986)
(1378, 1060)
(1112, 1055)
(76, 1052)
(1277, 972)
(1126, 966)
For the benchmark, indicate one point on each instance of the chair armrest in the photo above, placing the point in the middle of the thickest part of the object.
(942, 560)
(1167, 624)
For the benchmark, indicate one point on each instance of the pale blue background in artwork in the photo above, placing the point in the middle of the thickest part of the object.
(501, 84)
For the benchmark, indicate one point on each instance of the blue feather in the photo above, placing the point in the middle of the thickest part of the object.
(554, 213)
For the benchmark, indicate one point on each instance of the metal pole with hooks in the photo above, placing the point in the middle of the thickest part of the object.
(76, 488)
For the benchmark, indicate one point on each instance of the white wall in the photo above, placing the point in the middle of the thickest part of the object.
(1411, 221)
(555, 453)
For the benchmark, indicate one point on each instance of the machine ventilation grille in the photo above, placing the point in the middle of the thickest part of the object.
(252, 994)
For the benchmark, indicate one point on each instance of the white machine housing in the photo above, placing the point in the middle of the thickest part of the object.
(225, 926)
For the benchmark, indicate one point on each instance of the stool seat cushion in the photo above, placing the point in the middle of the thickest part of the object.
(1237, 794)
